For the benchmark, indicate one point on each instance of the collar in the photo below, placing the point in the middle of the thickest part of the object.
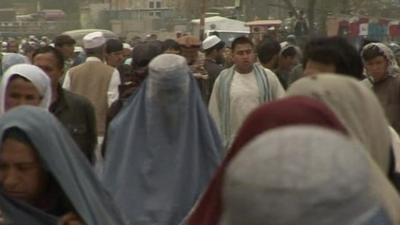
(93, 59)
(61, 103)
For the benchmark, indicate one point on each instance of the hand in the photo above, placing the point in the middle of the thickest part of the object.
(70, 219)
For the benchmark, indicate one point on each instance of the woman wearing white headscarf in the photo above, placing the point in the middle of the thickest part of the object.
(383, 76)
(319, 177)
(356, 107)
(24, 84)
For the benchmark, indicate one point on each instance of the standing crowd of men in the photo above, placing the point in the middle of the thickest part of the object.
(184, 131)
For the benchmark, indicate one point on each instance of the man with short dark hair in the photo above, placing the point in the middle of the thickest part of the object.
(114, 53)
(65, 44)
(213, 48)
(73, 111)
(268, 53)
(332, 55)
(240, 89)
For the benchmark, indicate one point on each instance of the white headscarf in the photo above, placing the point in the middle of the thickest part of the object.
(307, 175)
(32, 73)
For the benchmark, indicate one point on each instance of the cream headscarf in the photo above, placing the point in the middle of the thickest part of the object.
(307, 175)
(393, 68)
(34, 74)
(356, 107)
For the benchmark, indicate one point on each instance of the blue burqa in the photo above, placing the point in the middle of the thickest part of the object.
(163, 147)
(61, 157)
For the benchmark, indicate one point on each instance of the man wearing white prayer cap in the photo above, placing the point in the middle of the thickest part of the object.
(94, 79)
(213, 48)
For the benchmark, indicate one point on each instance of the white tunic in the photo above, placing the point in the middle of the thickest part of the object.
(244, 98)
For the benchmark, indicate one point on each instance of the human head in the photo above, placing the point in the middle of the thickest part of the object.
(28, 49)
(396, 51)
(268, 53)
(11, 59)
(72, 181)
(65, 44)
(51, 61)
(289, 57)
(24, 84)
(94, 45)
(127, 51)
(243, 54)
(213, 47)
(336, 184)
(21, 173)
(170, 46)
(142, 54)
(379, 61)
(332, 55)
(189, 48)
(114, 52)
(13, 46)
(357, 108)
(292, 111)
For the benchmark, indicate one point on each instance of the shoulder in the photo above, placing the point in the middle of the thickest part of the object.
(271, 76)
(76, 101)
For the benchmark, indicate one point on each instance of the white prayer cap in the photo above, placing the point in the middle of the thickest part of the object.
(210, 42)
(127, 46)
(94, 40)
(78, 49)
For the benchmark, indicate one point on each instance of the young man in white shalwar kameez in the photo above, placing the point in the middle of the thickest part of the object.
(240, 89)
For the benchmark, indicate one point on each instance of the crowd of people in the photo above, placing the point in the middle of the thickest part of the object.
(191, 132)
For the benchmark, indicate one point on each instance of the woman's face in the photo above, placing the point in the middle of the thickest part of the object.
(21, 92)
(21, 174)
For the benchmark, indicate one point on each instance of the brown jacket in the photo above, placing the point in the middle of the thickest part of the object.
(91, 80)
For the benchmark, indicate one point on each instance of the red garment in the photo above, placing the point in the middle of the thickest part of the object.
(290, 111)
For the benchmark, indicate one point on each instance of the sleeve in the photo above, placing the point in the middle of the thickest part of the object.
(67, 82)
(277, 90)
(92, 131)
(113, 94)
(213, 105)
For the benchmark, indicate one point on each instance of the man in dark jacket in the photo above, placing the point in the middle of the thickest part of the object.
(213, 48)
(75, 112)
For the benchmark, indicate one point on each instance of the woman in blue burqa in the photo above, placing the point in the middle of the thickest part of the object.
(44, 178)
(163, 147)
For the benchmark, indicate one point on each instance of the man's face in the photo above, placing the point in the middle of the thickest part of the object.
(288, 62)
(115, 59)
(67, 51)
(21, 92)
(191, 54)
(12, 47)
(48, 63)
(21, 173)
(377, 67)
(243, 57)
(314, 68)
